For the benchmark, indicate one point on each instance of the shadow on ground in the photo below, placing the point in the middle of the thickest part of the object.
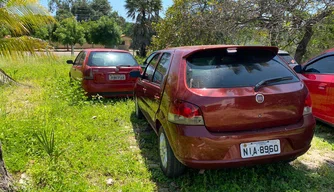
(271, 177)
(325, 132)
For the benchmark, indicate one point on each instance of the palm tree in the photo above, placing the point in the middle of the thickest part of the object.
(16, 18)
(144, 12)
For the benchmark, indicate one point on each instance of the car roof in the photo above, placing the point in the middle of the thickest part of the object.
(106, 50)
(191, 49)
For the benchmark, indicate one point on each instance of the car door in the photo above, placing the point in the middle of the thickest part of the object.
(319, 80)
(77, 68)
(155, 87)
(142, 84)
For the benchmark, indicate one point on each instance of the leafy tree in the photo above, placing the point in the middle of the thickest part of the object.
(287, 24)
(82, 10)
(70, 32)
(106, 32)
(100, 8)
(89, 27)
(45, 32)
(196, 22)
(144, 13)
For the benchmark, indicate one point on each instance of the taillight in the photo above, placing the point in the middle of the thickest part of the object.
(308, 105)
(181, 112)
(88, 74)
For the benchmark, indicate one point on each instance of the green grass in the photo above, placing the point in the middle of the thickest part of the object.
(100, 139)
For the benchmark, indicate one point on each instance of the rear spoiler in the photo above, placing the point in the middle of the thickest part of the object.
(232, 48)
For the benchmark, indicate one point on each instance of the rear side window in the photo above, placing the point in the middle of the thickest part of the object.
(109, 59)
(227, 69)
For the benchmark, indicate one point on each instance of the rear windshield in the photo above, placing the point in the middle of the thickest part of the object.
(287, 58)
(228, 69)
(104, 58)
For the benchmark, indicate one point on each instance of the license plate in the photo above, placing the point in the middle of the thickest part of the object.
(260, 148)
(116, 77)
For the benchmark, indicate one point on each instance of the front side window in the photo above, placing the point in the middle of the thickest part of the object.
(111, 59)
(150, 67)
(162, 68)
(324, 65)
(240, 68)
(80, 58)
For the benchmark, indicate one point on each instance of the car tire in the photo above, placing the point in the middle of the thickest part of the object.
(169, 164)
(138, 112)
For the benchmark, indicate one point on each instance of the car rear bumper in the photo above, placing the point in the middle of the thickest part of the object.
(196, 147)
(107, 89)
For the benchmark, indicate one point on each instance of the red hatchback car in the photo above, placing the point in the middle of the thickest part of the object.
(105, 72)
(223, 106)
(318, 75)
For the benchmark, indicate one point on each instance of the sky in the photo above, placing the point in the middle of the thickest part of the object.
(118, 5)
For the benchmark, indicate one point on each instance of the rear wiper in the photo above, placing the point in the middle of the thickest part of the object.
(123, 66)
(270, 81)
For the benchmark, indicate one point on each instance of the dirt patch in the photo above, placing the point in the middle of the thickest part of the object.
(21, 100)
(314, 159)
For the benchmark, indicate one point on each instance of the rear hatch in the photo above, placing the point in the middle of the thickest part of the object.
(244, 88)
(111, 67)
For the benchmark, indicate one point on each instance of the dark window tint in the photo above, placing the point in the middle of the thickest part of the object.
(162, 68)
(288, 59)
(149, 58)
(324, 65)
(80, 58)
(109, 59)
(228, 69)
(150, 67)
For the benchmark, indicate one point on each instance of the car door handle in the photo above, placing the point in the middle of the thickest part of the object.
(322, 85)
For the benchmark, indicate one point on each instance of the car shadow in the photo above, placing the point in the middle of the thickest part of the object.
(325, 132)
(294, 176)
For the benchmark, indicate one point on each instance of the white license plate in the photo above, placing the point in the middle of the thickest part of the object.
(260, 148)
(116, 77)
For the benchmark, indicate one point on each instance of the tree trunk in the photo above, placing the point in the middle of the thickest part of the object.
(67, 47)
(5, 180)
(142, 50)
(72, 50)
(302, 45)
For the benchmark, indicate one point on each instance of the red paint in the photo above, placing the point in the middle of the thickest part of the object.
(231, 116)
(95, 79)
(321, 87)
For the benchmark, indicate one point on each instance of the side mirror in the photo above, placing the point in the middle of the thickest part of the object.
(135, 74)
(298, 69)
(70, 62)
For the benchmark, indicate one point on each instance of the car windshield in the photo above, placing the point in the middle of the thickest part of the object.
(242, 68)
(108, 59)
(287, 58)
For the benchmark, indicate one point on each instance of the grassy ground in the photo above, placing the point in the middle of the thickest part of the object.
(96, 140)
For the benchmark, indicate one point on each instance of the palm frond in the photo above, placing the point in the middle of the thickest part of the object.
(19, 15)
(21, 46)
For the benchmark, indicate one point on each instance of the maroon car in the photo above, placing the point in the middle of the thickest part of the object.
(105, 71)
(223, 106)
